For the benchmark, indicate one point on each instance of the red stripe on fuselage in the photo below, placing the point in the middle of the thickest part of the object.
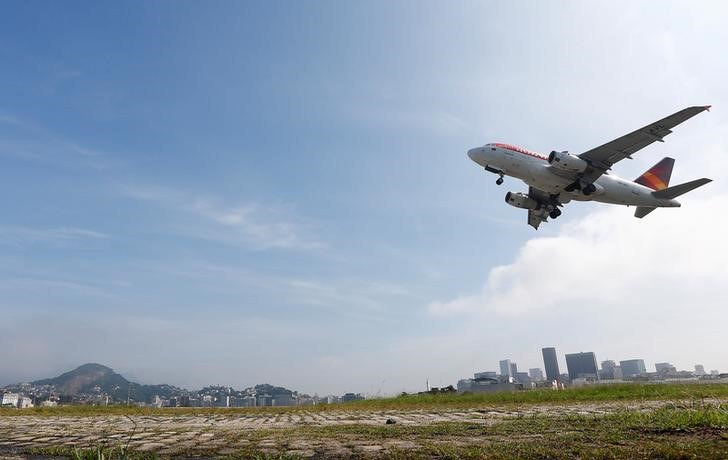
(521, 150)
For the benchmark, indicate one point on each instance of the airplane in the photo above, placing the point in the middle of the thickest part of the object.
(560, 177)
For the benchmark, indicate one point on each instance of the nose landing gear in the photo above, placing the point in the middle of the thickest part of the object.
(495, 171)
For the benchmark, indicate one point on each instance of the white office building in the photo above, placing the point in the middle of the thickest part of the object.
(11, 399)
(24, 402)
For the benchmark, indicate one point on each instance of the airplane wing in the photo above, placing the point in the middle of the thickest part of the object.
(602, 158)
(535, 217)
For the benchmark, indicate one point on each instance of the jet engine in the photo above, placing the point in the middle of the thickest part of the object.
(567, 162)
(521, 200)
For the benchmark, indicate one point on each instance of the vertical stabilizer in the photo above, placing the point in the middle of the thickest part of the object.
(658, 176)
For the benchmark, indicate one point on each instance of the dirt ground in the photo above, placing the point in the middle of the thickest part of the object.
(330, 433)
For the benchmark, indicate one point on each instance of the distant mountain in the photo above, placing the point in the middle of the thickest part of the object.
(95, 378)
(266, 388)
(84, 378)
(91, 383)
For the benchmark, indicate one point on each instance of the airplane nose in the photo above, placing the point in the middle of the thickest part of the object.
(475, 154)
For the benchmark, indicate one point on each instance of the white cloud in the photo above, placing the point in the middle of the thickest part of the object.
(27, 140)
(263, 226)
(8, 119)
(248, 224)
(417, 118)
(25, 235)
(334, 296)
(609, 258)
(367, 301)
(57, 287)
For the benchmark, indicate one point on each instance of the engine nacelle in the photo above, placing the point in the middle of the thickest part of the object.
(567, 162)
(521, 200)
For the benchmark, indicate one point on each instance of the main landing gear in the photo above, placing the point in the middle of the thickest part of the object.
(554, 206)
(587, 189)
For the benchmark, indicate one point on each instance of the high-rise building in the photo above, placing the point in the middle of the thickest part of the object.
(536, 374)
(550, 363)
(699, 370)
(665, 368)
(610, 371)
(514, 369)
(582, 365)
(523, 377)
(505, 368)
(633, 367)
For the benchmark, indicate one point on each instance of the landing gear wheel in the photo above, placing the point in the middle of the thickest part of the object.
(571, 187)
(499, 180)
(589, 189)
(555, 213)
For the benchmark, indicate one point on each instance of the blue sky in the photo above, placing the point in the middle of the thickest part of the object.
(239, 192)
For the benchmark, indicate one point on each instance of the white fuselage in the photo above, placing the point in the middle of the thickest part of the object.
(534, 169)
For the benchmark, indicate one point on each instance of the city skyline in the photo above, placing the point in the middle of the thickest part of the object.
(641, 365)
(536, 374)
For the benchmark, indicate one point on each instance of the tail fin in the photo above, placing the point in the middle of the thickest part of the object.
(658, 176)
(674, 192)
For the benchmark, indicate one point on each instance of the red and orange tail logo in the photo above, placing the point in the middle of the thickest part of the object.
(658, 176)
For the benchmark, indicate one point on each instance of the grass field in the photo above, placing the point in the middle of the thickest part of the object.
(623, 421)
(595, 393)
(670, 433)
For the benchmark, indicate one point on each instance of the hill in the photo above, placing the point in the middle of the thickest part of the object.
(94, 383)
(84, 378)
(96, 379)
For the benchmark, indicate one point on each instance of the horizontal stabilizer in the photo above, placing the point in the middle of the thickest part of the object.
(642, 211)
(677, 190)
